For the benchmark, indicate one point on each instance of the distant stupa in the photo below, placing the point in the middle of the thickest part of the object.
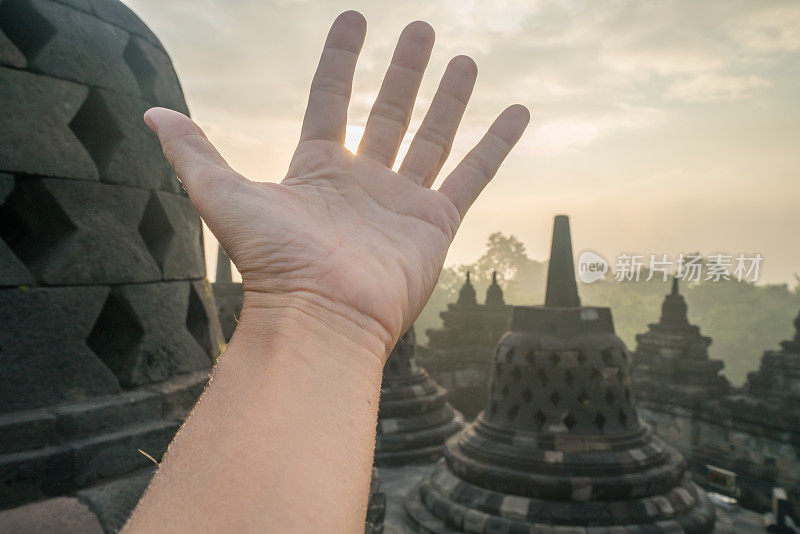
(458, 355)
(559, 447)
(671, 362)
(414, 418)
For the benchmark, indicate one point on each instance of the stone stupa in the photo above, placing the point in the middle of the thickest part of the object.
(458, 354)
(415, 418)
(671, 362)
(559, 447)
(108, 328)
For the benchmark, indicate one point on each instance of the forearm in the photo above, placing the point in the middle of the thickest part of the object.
(282, 440)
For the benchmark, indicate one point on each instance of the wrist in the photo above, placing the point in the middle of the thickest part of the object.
(327, 333)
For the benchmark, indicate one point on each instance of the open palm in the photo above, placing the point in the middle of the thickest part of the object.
(343, 236)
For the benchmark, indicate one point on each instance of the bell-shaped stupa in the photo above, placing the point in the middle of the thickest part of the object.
(108, 328)
(559, 447)
(415, 418)
(671, 362)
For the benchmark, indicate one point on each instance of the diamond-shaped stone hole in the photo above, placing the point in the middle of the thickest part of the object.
(95, 128)
(516, 373)
(600, 421)
(555, 358)
(610, 397)
(569, 378)
(581, 358)
(527, 396)
(115, 336)
(607, 356)
(32, 223)
(542, 376)
(156, 230)
(569, 421)
(583, 397)
(142, 68)
(513, 412)
(197, 322)
(555, 398)
(540, 419)
(25, 27)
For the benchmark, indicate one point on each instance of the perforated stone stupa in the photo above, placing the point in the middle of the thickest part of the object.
(559, 447)
(671, 361)
(108, 327)
(414, 418)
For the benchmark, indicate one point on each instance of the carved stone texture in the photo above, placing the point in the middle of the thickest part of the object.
(414, 417)
(146, 333)
(13, 271)
(671, 362)
(62, 36)
(125, 151)
(559, 447)
(35, 136)
(44, 356)
(108, 329)
(117, 13)
(458, 355)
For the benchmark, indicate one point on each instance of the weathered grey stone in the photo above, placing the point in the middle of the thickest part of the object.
(119, 14)
(113, 502)
(64, 55)
(29, 475)
(45, 359)
(12, 271)
(143, 333)
(458, 355)
(35, 137)
(28, 429)
(131, 154)
(202, 321)
(62, 515)
(9, 54)
(155, 74)
(173, 233)
(414, 419)
(76, 232)
(179, 394)
(106, 414)
(112, 455)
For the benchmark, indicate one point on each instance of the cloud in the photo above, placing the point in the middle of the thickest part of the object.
(708, 87)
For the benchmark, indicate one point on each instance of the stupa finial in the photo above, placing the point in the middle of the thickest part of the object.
(675, 286)
(562, 289)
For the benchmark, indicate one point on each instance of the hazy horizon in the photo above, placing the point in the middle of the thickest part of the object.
(660, 128)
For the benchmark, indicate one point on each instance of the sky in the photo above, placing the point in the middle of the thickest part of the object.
(659, 127)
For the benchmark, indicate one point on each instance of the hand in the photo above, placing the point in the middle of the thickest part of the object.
(343, 239)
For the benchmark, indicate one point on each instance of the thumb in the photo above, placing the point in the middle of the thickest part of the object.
(200, 168)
